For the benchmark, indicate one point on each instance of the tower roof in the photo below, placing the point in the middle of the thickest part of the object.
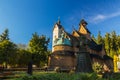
(58, 23)
(83, 22)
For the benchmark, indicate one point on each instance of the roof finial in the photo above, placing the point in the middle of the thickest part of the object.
(58, 20)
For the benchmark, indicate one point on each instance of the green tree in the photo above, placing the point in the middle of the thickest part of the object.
(23, 57)
(4, 35)
(94, 38)
(107, 43)
(8, 52)
(114, 45)
(99, 38)
(7, 49)
(38, 46)
(118, 43)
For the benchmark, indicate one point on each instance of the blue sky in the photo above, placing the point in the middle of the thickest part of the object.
(24, 17)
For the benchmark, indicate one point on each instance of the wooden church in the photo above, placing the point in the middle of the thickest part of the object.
(76, 51)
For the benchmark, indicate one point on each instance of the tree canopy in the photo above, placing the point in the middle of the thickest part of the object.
(38, 46)
(19, 54)
(7, 49)
(111, 41)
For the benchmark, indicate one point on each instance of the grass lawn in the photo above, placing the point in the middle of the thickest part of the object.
(58, 76)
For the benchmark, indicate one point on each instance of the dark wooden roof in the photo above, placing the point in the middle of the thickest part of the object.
(105, 57)
(83, 22)
(96, 56)
(59, 25)
(73, 38)
(88, 30)
(94, 46)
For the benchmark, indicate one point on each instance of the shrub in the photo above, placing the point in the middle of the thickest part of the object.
(97, 67)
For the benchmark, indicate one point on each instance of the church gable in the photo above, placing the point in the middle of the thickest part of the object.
(83, 29)
(74, 33)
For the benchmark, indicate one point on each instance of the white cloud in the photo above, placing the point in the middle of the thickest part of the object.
(76, 16)
(101, 17)
(114, 15)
